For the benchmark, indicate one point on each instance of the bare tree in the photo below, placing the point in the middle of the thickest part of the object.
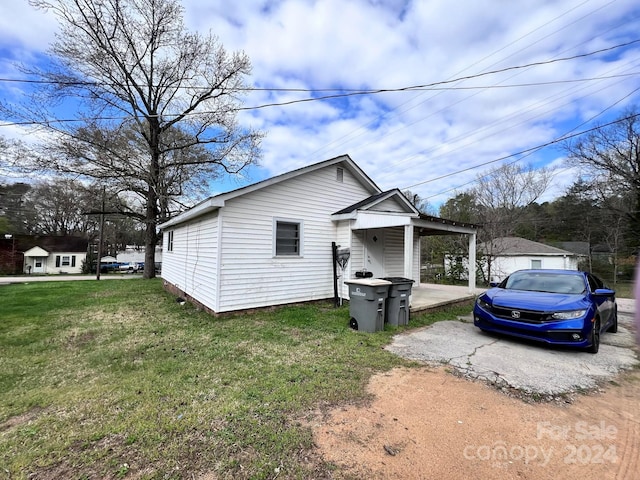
(60, 208)
(15, 207)
(420, 203)
(503, 195)
(12, 154)
(609, 162)
(451, 251)
(156, 105)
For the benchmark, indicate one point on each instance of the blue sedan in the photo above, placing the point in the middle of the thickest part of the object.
(560, 307)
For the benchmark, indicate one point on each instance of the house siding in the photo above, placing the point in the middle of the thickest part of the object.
(394, 252)
(389, 205)
(50, 264)
(503, 266)
(417, 261)
(251, 276)
(357, 252)
(192, 264)
(344, 239)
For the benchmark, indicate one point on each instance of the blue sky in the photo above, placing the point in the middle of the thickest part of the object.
(406, 139)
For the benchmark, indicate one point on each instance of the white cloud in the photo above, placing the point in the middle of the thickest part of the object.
(406, 138)
(24, 29)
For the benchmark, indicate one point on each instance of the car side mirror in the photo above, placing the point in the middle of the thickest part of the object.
(605, 292)
(494, 284)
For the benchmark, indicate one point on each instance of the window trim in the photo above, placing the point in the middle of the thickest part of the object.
(170, 241)
(300, 224)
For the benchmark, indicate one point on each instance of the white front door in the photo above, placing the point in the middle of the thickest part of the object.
(38, 264)
(374, 252)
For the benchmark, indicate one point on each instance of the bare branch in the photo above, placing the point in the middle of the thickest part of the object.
(177, 91)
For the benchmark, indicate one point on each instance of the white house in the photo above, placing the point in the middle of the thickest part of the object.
(52, 254)
(270, 243)
(508, 254)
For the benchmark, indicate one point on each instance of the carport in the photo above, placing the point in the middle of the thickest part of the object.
(383, 234)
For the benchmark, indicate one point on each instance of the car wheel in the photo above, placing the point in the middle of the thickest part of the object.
(614, 326)
(595, 338)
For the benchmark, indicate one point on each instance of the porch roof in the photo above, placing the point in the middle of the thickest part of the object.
(424, 225)
(429, 225)
(370, 213)
(36, 252)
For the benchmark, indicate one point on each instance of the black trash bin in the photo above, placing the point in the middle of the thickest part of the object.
(367, 303)
(397, 308)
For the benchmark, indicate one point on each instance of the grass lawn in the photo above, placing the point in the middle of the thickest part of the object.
(114, 379)
(623, 289)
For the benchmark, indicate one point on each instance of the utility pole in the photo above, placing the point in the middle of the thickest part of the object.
(100, 238)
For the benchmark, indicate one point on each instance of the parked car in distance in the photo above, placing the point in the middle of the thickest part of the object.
(105, 267)
(559, 307)
(130, 267)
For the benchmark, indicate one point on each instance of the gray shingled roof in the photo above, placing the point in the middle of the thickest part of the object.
(51, 243)
(366, 201)
(521, 246)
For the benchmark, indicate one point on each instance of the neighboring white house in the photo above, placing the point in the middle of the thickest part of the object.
(270, 243)
(53, 254)
(508, 254)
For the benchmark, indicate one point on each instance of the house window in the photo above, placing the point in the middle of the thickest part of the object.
(73, 260)
(57, 261)
(66, 261)
(288, 235)
(536, 264)
(170, 241)
(340, 174)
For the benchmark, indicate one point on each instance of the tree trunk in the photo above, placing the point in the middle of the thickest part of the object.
(151, 221)
(150, 241)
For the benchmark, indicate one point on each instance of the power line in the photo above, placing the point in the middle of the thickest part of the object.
(411, 106)
(358, 91)
(510, 119)
(445, 82)
(344, 92)
(535, 149)
(361, 92)
(532, 149)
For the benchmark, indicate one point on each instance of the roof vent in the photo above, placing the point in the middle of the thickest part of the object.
(340, 174)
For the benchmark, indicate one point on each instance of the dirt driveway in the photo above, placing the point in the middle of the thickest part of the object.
(434, 422)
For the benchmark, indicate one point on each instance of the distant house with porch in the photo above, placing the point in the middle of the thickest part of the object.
(508, 254)
(271, 243)
(42, 254)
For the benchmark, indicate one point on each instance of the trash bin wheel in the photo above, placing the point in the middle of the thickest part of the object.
(353, 323)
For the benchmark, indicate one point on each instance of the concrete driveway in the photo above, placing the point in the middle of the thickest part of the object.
(531, 368)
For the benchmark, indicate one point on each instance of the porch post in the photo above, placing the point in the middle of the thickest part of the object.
(408, 251)
(472, 263)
